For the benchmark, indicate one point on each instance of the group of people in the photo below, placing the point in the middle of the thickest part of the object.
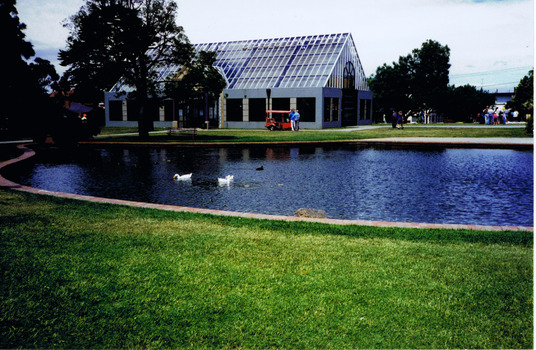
(494, 116)
(294, 116)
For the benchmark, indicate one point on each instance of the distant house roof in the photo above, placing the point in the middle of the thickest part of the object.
(328, 60)
(502, 98)
(79, 108)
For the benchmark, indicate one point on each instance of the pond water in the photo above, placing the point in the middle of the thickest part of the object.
(463, 186)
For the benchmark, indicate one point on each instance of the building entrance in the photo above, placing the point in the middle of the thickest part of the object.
(349, 107)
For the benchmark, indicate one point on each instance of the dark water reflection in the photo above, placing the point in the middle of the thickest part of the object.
(468, 186)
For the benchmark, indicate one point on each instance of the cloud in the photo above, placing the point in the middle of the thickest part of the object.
(478, 32)
(487, 2)
(44, 28)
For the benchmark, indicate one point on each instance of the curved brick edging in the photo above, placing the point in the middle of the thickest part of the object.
(29, 153)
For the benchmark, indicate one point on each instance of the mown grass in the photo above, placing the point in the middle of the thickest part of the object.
(262, 135)
(84, 275)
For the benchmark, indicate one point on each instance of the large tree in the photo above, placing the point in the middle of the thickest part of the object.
(463, 103)
(28, 80)
(523, 99)
(418, 80)
(197, 80)
(431, 74)
(127, 39)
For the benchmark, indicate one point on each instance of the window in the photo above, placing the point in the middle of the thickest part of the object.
(364, 109)
(327, 109)
(349, 76)
(257, 109)
(282, 104)
(133, 111)
(234, 110)
(334, 109)
(168, 110)
(331, 109)
(307, 108)
(116, 110)
(153, 110)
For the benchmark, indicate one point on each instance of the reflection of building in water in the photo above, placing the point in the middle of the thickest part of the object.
(284, 153)
(279, 153)
(320, 75)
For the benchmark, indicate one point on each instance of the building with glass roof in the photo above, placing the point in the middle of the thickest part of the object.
(319, 75)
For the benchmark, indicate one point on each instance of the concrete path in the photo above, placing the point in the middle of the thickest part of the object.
(27, 153)
(458, 142)
(462, 140)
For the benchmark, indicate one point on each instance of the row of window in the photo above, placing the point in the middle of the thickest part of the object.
(257, 108)
(133, 111)
(190, 115)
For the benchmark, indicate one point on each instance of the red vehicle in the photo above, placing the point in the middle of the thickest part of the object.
(278, 120)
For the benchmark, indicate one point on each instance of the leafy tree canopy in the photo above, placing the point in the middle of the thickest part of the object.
(29, 79)
(418, 80)
(127, 39)
(463, 103)
(197, 78)
(523, 99)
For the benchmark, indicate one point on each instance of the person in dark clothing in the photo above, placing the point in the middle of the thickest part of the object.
(400, 120)
(393, 119)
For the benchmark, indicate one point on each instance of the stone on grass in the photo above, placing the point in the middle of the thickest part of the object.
(310, 213)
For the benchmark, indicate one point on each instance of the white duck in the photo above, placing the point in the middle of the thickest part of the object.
(182, 177)
(226, 180)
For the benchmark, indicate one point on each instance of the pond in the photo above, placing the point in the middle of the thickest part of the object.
(462, 186)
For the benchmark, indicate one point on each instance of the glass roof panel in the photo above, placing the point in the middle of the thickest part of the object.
(307, 61)
(280, 62)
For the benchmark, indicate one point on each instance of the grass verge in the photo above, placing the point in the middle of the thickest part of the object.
(79, 275)
(261, 135)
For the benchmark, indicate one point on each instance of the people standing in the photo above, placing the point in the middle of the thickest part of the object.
(294, 119)
(400, 120)
(297, 120)
(515, 115)
(394, 117)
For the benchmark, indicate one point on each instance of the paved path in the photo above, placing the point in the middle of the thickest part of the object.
(445, 126)
(29, 153)
(459, 142)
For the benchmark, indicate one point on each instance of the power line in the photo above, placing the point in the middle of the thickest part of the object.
(489, 72)
(499, 84)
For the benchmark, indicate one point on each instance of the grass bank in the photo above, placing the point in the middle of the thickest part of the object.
(263, 135)
(80, 275)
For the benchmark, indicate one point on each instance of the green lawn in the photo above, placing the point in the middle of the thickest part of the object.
(85, 275)
(263, 135)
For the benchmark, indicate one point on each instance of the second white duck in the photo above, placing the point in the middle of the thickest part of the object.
(182, 177)
(226, 180)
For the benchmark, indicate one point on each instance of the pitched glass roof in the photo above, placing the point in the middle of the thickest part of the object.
(306, 61)
(292, 62)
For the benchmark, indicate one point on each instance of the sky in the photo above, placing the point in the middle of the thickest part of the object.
(491, 41)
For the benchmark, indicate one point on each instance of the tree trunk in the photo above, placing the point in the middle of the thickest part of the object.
(145, 122)
(143, 128)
